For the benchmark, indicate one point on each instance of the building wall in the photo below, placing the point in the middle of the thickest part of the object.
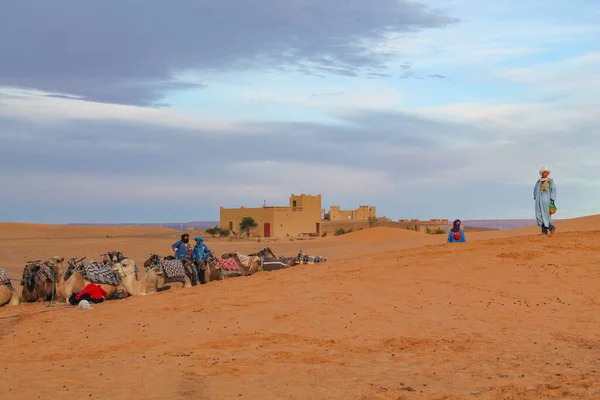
(308, 204)
(294, 223)
(362, 213)
(302, 216)
(422, 226)
(230, 218)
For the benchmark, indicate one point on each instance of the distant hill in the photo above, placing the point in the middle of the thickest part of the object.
(499, 223)
(171, 225)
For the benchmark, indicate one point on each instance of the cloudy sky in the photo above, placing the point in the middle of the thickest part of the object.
(151, 111)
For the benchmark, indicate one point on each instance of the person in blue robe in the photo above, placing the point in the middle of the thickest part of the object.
(544, 193)
(180, 247)
(456, 235)
(200, 252)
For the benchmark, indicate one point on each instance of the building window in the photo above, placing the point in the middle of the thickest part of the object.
(294, 203)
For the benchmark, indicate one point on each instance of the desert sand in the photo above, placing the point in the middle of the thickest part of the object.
(393, 314)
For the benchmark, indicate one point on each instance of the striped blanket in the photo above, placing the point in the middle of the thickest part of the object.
(306, 259)
(100, 274)
(4, 278)
(272, 264)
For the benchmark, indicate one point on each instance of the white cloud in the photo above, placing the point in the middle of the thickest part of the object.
(250, 182)
(38, 105)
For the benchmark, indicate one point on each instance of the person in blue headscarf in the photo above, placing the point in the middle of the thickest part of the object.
(456, 235)
(544, 193)
(200, 252)
(200, 256)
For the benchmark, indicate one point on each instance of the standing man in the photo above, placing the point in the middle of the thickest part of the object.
(180, 247)
(544, 194)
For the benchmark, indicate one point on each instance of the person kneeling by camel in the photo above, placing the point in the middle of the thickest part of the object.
(200, 255)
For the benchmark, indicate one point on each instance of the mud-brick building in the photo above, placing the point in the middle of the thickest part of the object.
(362, 213)
(301, 217)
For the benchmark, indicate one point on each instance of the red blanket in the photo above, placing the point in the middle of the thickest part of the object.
(93, 290)
(229, 264)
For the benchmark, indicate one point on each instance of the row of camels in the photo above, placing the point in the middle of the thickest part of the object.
(120, 277)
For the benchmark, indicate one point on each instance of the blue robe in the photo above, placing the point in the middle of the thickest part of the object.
(181, 249)
(200, 252)
(452, 240)
(542, 203)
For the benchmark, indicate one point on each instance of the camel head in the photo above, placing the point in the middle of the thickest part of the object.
(56, 264)
(153, 260)
(125, 268)
(268, 252)
(203, 273)
(31, 267)
(114, 257)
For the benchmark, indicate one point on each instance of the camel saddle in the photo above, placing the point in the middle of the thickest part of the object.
(4, 278)
(101, 274)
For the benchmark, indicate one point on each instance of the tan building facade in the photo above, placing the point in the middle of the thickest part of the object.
(301, 217)
(362, 213)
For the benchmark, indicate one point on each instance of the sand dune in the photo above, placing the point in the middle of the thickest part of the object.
(400, 315)
(12, 230)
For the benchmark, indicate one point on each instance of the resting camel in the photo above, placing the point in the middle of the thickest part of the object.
(130, 277)
(157, 279)
(75, 280)
(41, 280)
(212, 270)
(266, 252)
(8, 295)
(248, 264)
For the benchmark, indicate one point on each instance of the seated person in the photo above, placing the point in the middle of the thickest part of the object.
(456, 235)
(200, 252)
(180, 246)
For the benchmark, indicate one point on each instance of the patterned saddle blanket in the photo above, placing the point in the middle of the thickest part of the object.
(42, 274)
(273, 264)
(174, 270)
(246, 261)
(101, 274)
(4, 278)
(228, 264)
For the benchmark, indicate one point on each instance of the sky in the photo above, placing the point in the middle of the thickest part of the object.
(158, 111)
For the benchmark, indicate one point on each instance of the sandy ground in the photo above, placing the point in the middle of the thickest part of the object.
(393, 314)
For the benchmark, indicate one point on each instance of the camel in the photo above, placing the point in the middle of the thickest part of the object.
(113, 257)
(41, 280)
(266, 252)
(211, 270)
(128, 271)
(248, 264)
(29, 291)
(75, 280)
(157, 281)
(8, 295)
